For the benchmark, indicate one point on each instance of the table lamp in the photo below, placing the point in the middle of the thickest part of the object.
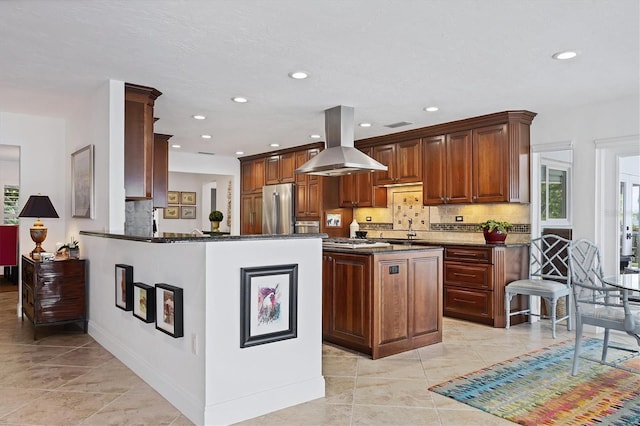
(38, 206)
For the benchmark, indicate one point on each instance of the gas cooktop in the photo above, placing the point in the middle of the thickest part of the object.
(353, 243)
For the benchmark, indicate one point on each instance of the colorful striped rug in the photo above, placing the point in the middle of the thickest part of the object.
(538, 389)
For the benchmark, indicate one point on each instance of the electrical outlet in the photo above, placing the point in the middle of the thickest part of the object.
(459, 219)
(194, 343)
(368, 218)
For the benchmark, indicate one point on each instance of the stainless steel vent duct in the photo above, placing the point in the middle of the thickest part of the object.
(340, 157)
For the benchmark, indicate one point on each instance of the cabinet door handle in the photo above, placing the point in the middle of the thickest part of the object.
(458, 274)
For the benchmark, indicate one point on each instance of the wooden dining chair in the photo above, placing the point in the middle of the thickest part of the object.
(599, 304)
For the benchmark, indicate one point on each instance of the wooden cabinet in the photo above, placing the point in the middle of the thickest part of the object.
(475, 278)
(54, 292)
(252, 175)
(382, 304)
(357, 190)
(404, 162)
(347, 300)
(160, 170)
(491, 164)
(138, 141)
(251, 211)
(280, 168)
(447, 169)
(308, 187)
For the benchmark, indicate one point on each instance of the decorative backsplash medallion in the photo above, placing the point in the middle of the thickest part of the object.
(408, 205)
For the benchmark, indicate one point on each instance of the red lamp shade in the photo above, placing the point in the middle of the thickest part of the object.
(38, 206)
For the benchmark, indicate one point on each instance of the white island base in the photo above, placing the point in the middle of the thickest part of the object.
(206, 374)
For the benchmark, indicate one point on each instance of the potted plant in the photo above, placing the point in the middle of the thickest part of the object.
(72, 249)
(215, 217)
(495, 231)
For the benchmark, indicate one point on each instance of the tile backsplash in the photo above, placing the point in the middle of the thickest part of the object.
(438, 223)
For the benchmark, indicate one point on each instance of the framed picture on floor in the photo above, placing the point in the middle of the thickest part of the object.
(124, 287)
(144, 302)
(268, 304)
(169, 310)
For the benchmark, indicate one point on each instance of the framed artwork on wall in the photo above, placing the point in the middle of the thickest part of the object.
(187, 212)
(173, 197)
(169, 310)
(171, 212)
(268, 304)
(82, 196)
(124, 287)
(144, 302)
(188, 198)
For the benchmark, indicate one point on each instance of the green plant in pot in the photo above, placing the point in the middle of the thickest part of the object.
(495, 231)
(215, 217)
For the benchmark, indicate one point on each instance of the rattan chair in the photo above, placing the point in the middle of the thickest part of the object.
(599, 304)
(548, 279)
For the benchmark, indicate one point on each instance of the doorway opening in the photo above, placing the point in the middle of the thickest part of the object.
(628, 212)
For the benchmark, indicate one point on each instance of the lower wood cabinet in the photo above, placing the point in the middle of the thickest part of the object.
(384, 303)
(251, 205)
(54, 292)
(475, 278)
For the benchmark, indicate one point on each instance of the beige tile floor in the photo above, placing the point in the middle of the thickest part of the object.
(66, 378)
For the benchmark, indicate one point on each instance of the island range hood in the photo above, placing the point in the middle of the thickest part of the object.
(340, 157)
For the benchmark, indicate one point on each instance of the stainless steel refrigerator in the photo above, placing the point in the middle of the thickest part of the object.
(278, 209)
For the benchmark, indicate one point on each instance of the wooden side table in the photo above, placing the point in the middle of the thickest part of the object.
(54, 292)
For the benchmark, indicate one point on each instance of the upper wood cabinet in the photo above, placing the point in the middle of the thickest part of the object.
(280, 168)
(357, 190)
(252, 175)
(485, 160)
(160, 169)
(138, 140)
(404, 160)
(447, 169)
(308, 187)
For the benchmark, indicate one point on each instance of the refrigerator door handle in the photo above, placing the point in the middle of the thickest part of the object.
(277, 210)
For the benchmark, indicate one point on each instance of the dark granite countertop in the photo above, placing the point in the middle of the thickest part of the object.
(176, 237)
(443, 243)
(393, 248)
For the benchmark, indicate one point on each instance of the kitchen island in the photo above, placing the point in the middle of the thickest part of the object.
(382, 300)
(216, 371)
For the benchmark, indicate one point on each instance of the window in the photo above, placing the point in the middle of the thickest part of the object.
(10, 205)
(555, 179)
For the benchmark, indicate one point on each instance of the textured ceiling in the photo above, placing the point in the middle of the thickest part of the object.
(387, 58)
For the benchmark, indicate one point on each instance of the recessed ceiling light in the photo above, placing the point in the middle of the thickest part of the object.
(205, 136)
(566, 54)
(239, 99)
(431, 109)
(199, 117)
(274, 145)
(176, 146)
(239, 152)
(299, 75)
(364, 124)
(314, 136)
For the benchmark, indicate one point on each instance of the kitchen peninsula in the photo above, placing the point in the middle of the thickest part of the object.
(206, 373)
(382, 300)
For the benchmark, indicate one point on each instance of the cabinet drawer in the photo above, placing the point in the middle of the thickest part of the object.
(27, 301)
(472, 254)
(468, 303)
(50, 285)
(57, 309)
(468, 275)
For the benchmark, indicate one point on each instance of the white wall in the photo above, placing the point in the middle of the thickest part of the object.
(582, 126)
(205, 374)
(43, 161)
(213, 165)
